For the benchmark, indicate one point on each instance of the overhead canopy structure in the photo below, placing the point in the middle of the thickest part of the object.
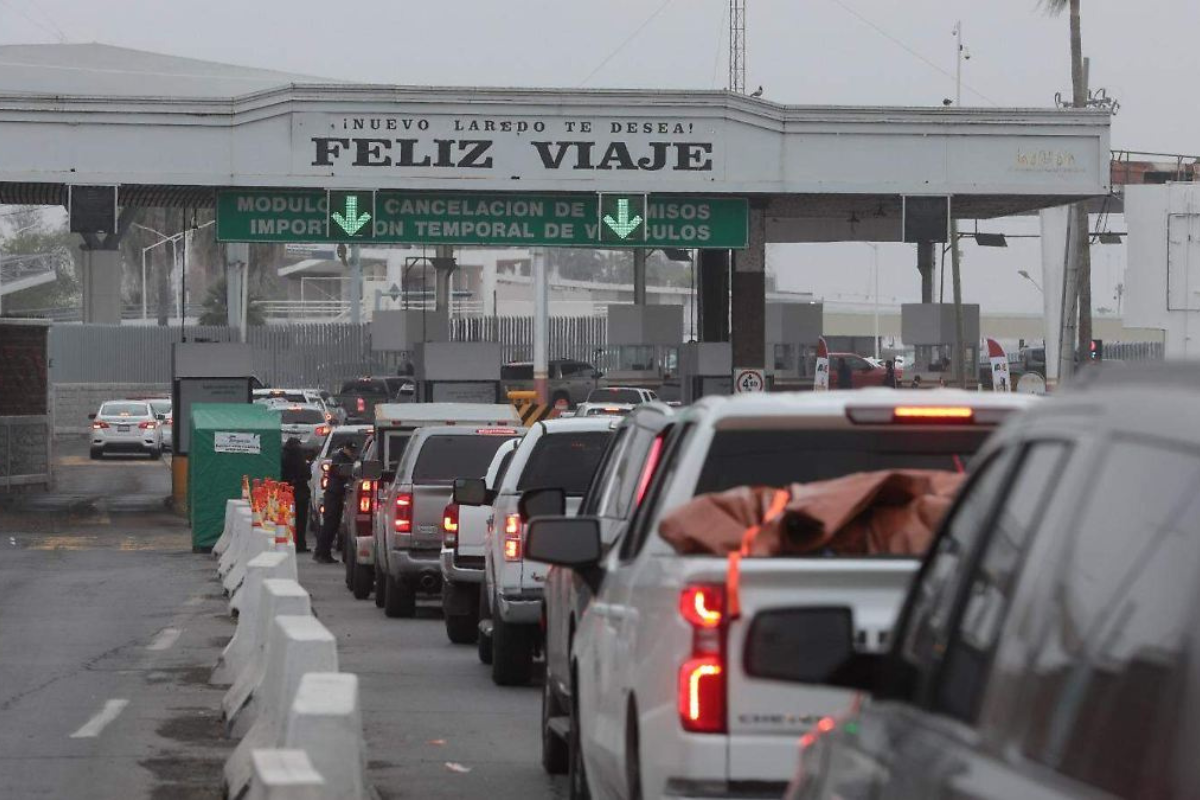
(169, 131)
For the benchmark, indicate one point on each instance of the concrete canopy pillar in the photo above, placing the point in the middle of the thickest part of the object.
(712, 280)
(237, 257)
(925, 264)
(639, 277)
(101, 286)
(749, 297)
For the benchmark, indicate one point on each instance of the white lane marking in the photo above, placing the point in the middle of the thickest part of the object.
(194, 601)
(92, 728)
(164, 639)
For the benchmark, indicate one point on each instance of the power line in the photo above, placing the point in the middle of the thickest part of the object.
(853, 12)
(630, 38)
(62, 36)
(31, 20)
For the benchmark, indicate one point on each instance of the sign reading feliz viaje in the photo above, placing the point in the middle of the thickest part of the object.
(492, 219)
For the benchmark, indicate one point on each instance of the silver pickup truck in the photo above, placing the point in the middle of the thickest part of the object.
(408, 544)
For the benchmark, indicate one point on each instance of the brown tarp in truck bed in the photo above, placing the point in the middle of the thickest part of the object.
(891, 512)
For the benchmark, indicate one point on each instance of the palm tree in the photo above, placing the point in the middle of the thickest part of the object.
(1080, 223)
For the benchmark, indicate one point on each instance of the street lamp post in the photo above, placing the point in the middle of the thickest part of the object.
(1025, 274)
(174, 241)
(875, 293)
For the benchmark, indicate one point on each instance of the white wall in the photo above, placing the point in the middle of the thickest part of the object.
(1153, 251)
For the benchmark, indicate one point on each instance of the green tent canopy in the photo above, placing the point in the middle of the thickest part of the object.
(229, 440)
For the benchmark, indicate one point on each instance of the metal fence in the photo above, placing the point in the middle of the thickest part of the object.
(321, 355)
(1134, 351)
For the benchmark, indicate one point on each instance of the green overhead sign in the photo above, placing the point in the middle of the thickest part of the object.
(466, 218)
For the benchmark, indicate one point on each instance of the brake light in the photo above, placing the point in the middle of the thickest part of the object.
(361, 404)
(933, 413)
(365, 491)
(324, 482)
(99, 424)
(702, 679)
(648, 468)
(512, 537)
(147, 426)
(450, 525)
(322, 430)
(404, 510)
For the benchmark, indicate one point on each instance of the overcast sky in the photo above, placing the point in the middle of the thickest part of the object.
(881, 52)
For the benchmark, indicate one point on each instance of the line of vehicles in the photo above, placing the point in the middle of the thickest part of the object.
(1007, 660)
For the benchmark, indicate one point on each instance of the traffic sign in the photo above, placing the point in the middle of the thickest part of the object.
(749, 380)
(350, 214)
(483, 219)
(622, 218)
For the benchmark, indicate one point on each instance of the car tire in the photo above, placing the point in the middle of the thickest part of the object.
(349, 562)
(400, 599)
(577, 784)
(460, 628)
(483, 644)
(96, 453)
(364, 577)
(556, 756)
(380, 587)
(512, 653)
(633, 761)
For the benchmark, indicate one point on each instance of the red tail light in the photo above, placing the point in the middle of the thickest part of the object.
(99, 424)
(702, 678)
(366, 492)
(147, 426)
(450, 525)
(322, 430)
(404, 511)
(512, 537)
(324, 481)
(361, 404)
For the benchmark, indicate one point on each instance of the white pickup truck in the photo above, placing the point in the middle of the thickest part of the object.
(560, 456)
(650, 660)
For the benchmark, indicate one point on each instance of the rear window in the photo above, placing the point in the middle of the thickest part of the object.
(302, 416)
(394, 445)
(444, 458)
(779, 458)
(373, 387)
(516, 372)
(604, 411)
(124, 410)
(341, 437)
(564, 460)
(161, 406)
(631, 396)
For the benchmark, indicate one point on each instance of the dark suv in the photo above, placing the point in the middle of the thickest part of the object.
(360, 396)
(567, 379)
(1048, 647)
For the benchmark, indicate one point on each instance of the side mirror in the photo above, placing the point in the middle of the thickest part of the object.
(91, 416)
(572, 542)
(549, 502)
(800, 645)
(470, 492)
(371, 470)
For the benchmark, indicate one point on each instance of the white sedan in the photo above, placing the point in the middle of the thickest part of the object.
(128, 426)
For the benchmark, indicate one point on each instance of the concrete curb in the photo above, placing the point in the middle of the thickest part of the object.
(231, 507)
(257, 542)
(298, 645)
(278, 597)
(326, 722)
(285, 775)
(237, 541)
(245, 642)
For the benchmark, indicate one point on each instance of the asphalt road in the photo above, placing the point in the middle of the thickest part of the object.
(109, 626)
(436, 726)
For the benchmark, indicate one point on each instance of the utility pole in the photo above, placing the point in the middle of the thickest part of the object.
(960, 365)
(541, 325)
(1083, 248)
(737, 46)
(355, 284)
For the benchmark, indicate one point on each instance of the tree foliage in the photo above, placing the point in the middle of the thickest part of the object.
(216, 309)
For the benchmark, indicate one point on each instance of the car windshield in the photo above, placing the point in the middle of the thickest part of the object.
(564, 460)
(779, 458)
(630, 396)
(302, 416)
(124, 410)
(444, 458)
(516, 372)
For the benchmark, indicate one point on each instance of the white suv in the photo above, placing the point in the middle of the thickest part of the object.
(128, 426)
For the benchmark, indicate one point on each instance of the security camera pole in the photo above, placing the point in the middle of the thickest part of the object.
(960, 360)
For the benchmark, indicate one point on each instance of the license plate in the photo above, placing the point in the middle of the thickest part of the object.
(122, 429)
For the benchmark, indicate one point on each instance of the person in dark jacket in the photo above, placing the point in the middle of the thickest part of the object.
(294, 470)
(845, 380)
(889, 378)
(335, 500)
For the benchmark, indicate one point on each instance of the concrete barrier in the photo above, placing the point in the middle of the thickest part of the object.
(256, 542)
(238, 654)
(326, 722)
(283, 568)
(285, 775)
(278, 598)
(231, 507)
(297, 646)
(237, 545)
